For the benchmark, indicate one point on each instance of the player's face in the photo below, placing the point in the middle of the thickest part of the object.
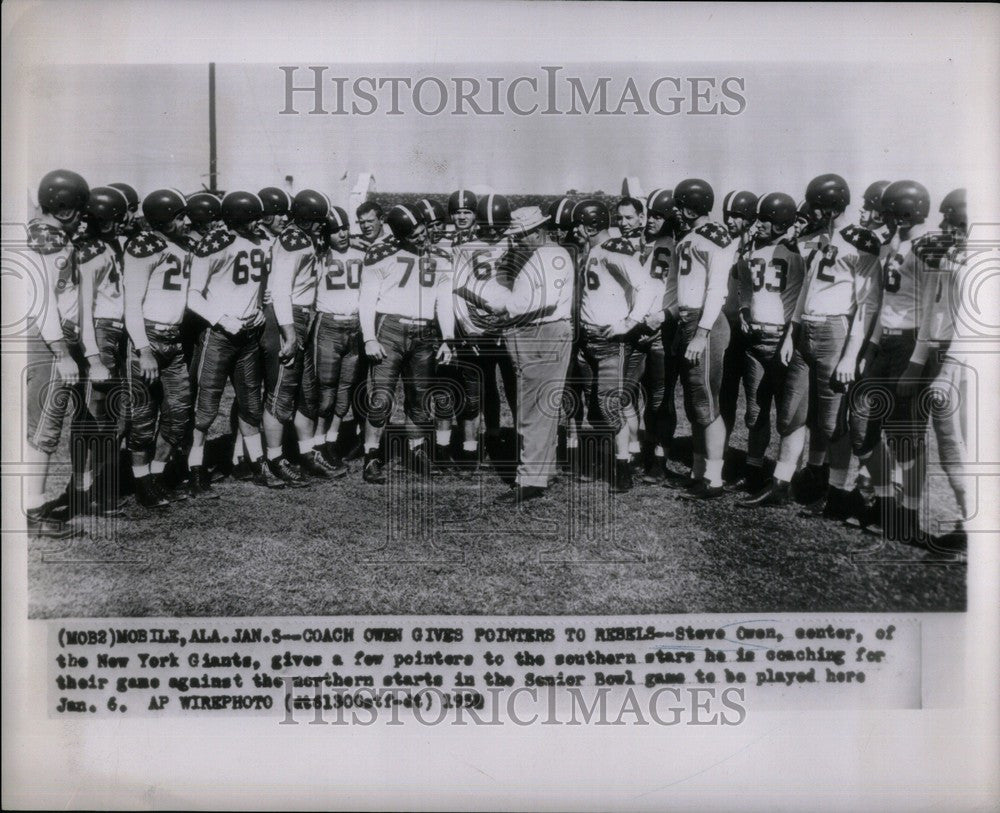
(419, 236)
(463, 219)
(175, 226)
(629, 219)
(436, 230)
(736, 225)
(69, 218)
(370, 225)
(870, 218)
(688, 215)
(654, 224)
(341, 239)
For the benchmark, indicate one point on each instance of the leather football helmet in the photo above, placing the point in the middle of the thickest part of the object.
(130, 195)
(337, 219)
(106, 205)
(873, 196)
(403, 221)
(240, 209)
(828, 193)
(162, 207)
(661, 202)
(739, 204)
(432, 211)
(62, 190)
(203, 208)
(275, 201)
(778, 209)
(953, 208)
(461, 199)
(310, 206)
(592, 215)
(493, 211)
(906, 201)
(561, 214)
(694, 194)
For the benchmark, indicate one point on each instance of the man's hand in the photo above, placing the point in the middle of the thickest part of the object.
(909, 381)
(374, 350)
(618, 328)
(289, 345)
(254, 320)
(655, 320)
(147, 365)
(846, 371)
(697, 346)
(786, 350)
(746, 328)
(230, 324)
(444, 354)
(68, 370)
(97, 373)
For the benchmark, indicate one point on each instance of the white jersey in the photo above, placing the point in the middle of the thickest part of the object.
(701, 270)
(904, 267)
(478, 282)
(339, 284)
(100, 269)
(616, 285)
(291, 278)
(841, 273)
(227, 275)
(157, 273)
(770, 280)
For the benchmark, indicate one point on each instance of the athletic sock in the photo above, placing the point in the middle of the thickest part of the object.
(196, 456)
(157, 466)
(713, 471)
(305, 446)
(784, 471)
(634, 447)
(255, 450)
(318, 440)
(838, 478)
(470, 445)
(442, 436)
(273, 454)
(138, 472)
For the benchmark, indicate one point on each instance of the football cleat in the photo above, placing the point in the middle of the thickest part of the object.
(200, 484)
(147, 494)
(444, 463)
(775, 492)
(43, 527)
(906, 202)
(241, 209)
(520, 494)
(263, 476)
(837, 505)
(203, 209)
(313, 464)
(333, 460)
(828, 193)
(752, 481)
(621, 477)
(694, 194)
(282, 468)
(170, 494)
(703, 491)
(655, 470)
(61, 191)
(309, 206)
(373, 471)
(162, 207)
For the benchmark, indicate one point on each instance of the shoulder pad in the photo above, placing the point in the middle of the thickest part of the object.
(619, 245)
(861, 238)
(145, 244)
(87, 248)
(444, 254)
(46, 239)
(380, 251)
(294, 239)
(715, 233)
(931, 249)
(461, 238)
(214, 241)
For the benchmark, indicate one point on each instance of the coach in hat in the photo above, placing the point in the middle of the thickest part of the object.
(536, 311)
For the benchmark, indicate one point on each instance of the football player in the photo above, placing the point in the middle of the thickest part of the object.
(619, 294)
(407, 322)
(435, 215)
(277, 205)
(462, 211)
(227, 273)
(831, 324)
(203, 212)
(99, 263)
(700, 275)
(157, 274)
(336, 339)
(371, 221)
(132, 225)
(770, 280)
(56, 360)
(871, 216)
(289, 364)
(480, 349)
(739, 210)
(935, 371)
(906, 205)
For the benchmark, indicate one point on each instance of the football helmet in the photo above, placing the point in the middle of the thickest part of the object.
(561, 214)
(828, 193)
(493, 211)
(661, 202)
(62, 190)
(162, 207)
(906, 202)
(461, 199)
(203, 209)
(240, 209)
(778, 209)
(739, 204)
(694, 194)
(275, 201)
(432, 211)
(337, 219)
(310, 206)
(873, 196)
(106, 205)
(592, 214)
(954, 210)
(130, 195)
(403, 221)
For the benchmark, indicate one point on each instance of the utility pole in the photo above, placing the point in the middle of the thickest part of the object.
(212, 160)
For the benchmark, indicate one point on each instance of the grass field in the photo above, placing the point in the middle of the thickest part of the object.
(441, 547)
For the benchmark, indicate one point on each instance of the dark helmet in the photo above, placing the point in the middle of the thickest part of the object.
(162, 207)
(661, 202)
(310, 206)
(561, 214)
(694, 194)
(592, 214)
(402, 220)
(337, 220)
(873, 196)
(739, 204)
(106, 204)
(906, 201)
(828, 192)
(432, 211)
(130, 195)
(778, 209)
(461, 199)
(62, 189)
(203, 208)
(954, 209)
(494, 211)
(240, 209)
(275, 201)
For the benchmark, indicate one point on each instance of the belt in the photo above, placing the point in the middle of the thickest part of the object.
(766, 327)
(160, 327)
(118, 323)
(688, 311)
(337, 317)
(820, 318)
(406, 320)
(898, 331)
